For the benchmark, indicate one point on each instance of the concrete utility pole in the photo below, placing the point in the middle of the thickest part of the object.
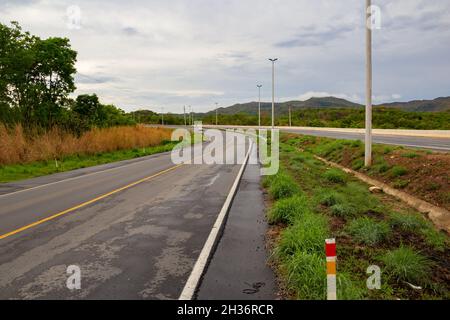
(368, 137)
(162, 116)
(190, 115)
(184, 113)
(290, 118)
(273, 91)
(217, 118)
(259, 105)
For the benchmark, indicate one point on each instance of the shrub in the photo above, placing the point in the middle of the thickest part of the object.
(367, 231)
(398, 171)
(335, 176)
(288, 210)
(404, 264)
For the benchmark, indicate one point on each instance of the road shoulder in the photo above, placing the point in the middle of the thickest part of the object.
(238, 268)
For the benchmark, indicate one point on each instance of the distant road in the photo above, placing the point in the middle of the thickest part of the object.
(427, 139)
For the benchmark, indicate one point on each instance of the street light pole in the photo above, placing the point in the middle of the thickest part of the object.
(259, 105)
(162, 115)
(273, 91)
(217, 121)
(368, 135)
(290, 117)
(184, 113)
(190, 115)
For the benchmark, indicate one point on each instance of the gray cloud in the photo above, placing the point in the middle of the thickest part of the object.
(312, 37)
(179, 52)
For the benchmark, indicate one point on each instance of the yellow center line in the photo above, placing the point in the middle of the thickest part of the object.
(31, 225)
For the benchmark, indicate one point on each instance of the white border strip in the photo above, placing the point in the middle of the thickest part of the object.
(200, 265)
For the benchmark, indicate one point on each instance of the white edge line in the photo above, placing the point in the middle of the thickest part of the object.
(200, 265)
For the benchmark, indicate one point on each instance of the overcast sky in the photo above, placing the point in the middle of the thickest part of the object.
(169, 53)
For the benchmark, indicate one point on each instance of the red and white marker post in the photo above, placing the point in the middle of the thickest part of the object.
(330, 250)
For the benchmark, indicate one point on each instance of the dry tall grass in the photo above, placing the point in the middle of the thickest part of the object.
(16, 147)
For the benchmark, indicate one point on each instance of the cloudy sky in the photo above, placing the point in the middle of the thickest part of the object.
(169, 53)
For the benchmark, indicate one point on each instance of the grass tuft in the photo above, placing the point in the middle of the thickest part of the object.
(335, 176)
(289, 210)
(368, 231)
(283, 186)
(404, 264)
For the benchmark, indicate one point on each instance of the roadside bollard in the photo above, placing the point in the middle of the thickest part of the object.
(330, 250)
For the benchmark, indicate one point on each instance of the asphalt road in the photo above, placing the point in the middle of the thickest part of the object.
(134, 228)
(413, 140)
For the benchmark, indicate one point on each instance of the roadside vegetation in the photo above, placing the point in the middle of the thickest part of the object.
(421, 173)
(370, 229)
(43, 129)
(25, 156)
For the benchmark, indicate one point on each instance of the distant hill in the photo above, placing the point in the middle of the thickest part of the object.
(439, 104)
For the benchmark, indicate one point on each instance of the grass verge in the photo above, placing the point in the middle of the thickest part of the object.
(371, 229)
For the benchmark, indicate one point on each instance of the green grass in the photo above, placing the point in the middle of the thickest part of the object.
(343, 210)
(368, 231)
(290, 209)
(329, 198)
(335, 176)
(25, 171)
(306, 275)
(415, 223)
(404, 264)
(369, 219)
(407, 222)
(398, 171)
(307, 234)
(410, 155)
(283, 186)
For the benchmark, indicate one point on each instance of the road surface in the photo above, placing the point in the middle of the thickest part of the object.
(134, 228)
(438, 140)
(432, 143)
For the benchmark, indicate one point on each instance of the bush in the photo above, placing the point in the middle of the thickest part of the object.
(398, 171)
(404, 264)
(283, 186)
(335, 176)
(367, 231)
(288, 210)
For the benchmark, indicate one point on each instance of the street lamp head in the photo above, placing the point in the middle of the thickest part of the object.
(259, 85)
(273, 60)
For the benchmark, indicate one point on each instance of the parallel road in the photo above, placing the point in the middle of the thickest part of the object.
(134, 228)
(432, 143)
(438, 140)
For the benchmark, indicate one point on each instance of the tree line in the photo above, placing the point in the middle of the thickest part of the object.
(36, 79)
(383, 118)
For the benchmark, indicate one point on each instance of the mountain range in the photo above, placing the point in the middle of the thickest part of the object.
(439, 104)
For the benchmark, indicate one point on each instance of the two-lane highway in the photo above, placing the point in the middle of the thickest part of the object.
(135, 229)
